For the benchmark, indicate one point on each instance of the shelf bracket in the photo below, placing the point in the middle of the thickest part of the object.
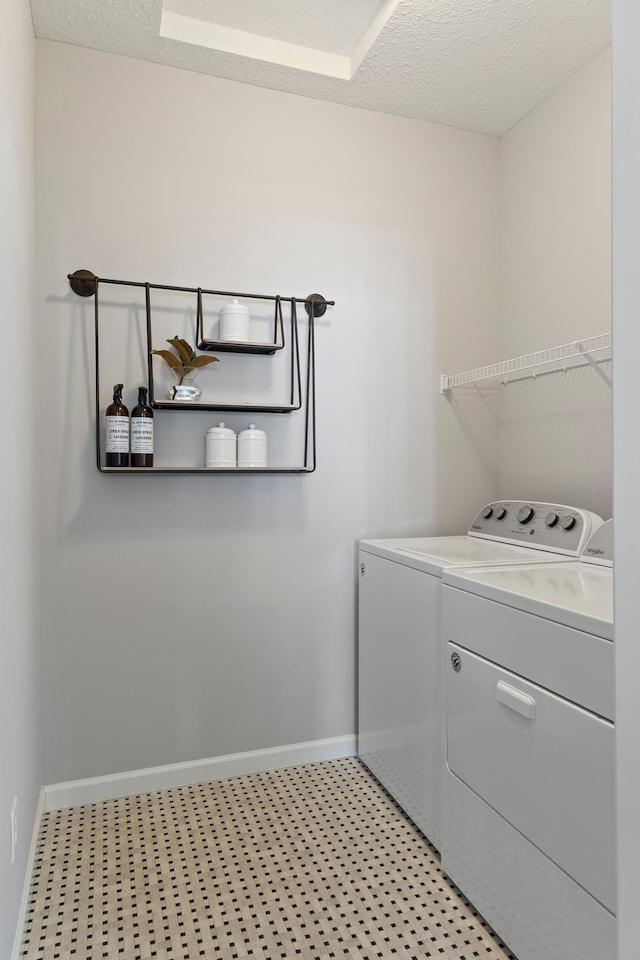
(316, 305)
(596, 366)
(83, 283)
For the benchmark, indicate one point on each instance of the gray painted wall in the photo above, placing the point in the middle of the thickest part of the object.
(21, 774)
(188, 617)
(555, 219)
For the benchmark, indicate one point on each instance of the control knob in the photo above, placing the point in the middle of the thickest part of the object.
(568, 523)
(525, 514)
(501, 513)
(487, 512)
(551, 519)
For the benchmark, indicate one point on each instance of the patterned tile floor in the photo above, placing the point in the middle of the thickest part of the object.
(311, 862)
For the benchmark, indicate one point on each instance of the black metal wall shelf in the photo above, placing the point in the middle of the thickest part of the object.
(86, 284)
(228, 471)
(230, 346)
(226, 407)
(236, 346)
(295, 389)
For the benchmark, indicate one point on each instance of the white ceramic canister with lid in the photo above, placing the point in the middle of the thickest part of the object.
(252, 447)
(234, 322)
(220, 448)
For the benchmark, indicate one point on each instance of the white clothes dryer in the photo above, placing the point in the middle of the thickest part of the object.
(400, 706)
(528, 789)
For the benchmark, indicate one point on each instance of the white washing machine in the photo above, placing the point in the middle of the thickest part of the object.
(400, 706)
(528, 789)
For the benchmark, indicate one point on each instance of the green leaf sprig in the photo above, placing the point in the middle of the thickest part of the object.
(186, 360)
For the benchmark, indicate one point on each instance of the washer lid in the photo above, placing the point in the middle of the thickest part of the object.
(575, 594)
(433, 554)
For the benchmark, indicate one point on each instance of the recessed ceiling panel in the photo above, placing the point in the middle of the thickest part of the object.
(309, 35)
(334, 26)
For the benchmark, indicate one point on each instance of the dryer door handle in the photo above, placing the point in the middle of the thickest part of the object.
(522, 703)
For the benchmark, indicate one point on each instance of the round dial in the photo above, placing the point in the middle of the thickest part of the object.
(501, 513)
(487, 512)
(525, 514)
(551, 519)
(568, 523)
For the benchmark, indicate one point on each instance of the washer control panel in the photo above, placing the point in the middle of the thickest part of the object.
(599, 549)
(543, 526)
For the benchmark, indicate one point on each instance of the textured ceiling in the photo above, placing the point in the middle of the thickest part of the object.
(476, 64)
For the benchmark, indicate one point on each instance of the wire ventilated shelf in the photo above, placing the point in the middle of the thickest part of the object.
(593, 350)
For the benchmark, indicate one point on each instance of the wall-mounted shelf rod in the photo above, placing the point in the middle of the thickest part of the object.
(594, 350)
(83, 283)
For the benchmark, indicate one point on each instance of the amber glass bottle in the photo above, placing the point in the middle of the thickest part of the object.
(117, 431)
(142, 432)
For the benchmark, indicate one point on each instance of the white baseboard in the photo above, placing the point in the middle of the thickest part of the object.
(96, 789)
(28, 875)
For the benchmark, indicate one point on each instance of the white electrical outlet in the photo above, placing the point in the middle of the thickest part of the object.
(14, 828)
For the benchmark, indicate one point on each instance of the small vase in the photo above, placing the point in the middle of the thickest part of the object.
(185, 389)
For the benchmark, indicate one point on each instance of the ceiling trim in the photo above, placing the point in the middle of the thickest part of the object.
(372, 33)
(201, 33)
(214, 36)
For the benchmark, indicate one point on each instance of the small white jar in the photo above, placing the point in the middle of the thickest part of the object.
(252, 447)
(220, 448)
(234, 322)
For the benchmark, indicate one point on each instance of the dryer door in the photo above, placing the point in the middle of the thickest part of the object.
(541, 762)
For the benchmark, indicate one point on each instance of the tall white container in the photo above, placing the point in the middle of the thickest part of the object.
(220, 447)
(234, 322)
(252, 447)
